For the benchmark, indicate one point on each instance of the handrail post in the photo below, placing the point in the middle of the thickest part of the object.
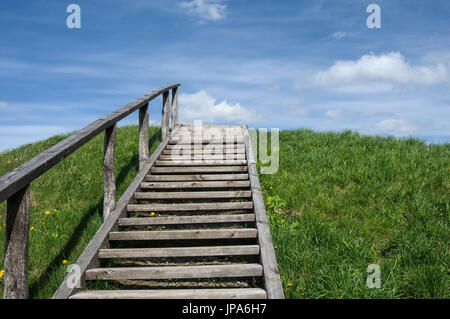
(165, 115)
(16, 245)
(109, 195)
(174, 107)
(143, 136)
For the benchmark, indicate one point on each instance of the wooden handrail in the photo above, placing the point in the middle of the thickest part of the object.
(23, 175)
(15, 186)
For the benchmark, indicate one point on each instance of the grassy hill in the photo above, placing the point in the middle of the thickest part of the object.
(338, 203)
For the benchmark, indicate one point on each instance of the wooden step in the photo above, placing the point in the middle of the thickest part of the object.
(201, 163)
(175, 272)
(209, 141)
(184, 234)
(206, 147)
(185, 220)
(195, 184)
(205, 151)
(232, 250)
(192, 195)
(221, 157)
(199, 169)
(188, 207)
(230, 293)
(198, 177)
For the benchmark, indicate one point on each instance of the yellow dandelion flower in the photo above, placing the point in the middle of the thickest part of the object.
(152, 213)
(55, 210)
(270, 187)
(2, 272)
(64, 261)
(354, 274)
(289, 284)
(275, 246)
(9, 162)
(32, 228)
(47, 213)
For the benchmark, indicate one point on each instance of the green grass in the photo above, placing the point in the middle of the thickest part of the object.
(338, 203)
(74, 187)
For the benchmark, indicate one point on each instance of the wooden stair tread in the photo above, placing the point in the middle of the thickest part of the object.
(189, 207)
(197, 177)
(224, 162)
(196, 184)
(175, 220)
(207, 152)
(199, 169)
(184, 234)
(205, 146)
(228, 293)
(192, 195)
(219, 157)
(175, 272)
(231, 250)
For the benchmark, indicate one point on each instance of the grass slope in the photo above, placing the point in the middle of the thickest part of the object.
(338, 203)
(72, 194)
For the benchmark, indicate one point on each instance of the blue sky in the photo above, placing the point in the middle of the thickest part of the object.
(284, 64)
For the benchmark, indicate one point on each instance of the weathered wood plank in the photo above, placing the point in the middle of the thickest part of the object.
(220, 157)
(192, 195)
(180, 220)
(195, 184)
(231, 293)
(165, 115)
(202, 163)
(207, 147)
(143, 136)
(198, 177)
(88, 257)
(201, 169)
(205, 152)
(174, 107)
(27, 172)
(109, 181)
(237, 142)
(272, 279)
(188, 207)
(232, 250)
(175, 272)
(184, 234)
(16, 245)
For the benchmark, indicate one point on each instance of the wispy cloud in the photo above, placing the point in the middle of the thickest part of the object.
(3, 104)
(206, 9)
(396, 127)
(338, 35)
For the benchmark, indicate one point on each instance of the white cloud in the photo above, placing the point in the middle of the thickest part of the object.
(384, 72)
(395, 127)
(341, 114)
(3, 104)
(202, 106)
(338, 35)
(334, 114)
(206, 9)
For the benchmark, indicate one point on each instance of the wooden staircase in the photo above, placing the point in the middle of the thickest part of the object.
(193, 226)
(191, 230)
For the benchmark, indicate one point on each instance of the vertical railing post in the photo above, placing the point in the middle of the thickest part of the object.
(174, 107)
(143, 136)
(16, 245)
(165, 115)
(109, 195)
